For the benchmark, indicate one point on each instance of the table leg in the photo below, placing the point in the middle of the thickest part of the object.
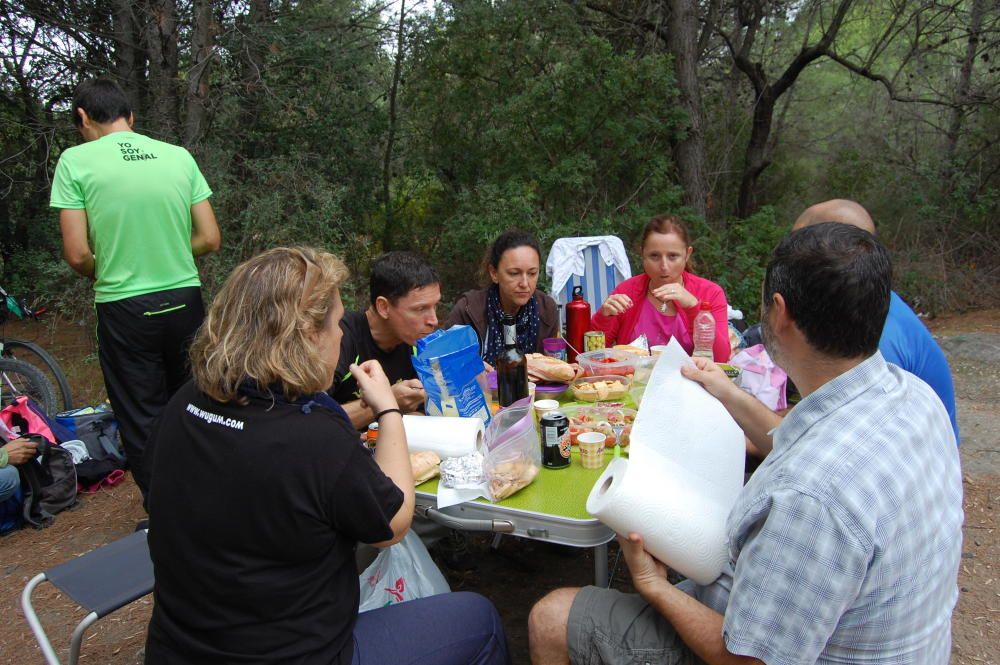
(601, 565)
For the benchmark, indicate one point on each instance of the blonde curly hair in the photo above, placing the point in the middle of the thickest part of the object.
(261, 325)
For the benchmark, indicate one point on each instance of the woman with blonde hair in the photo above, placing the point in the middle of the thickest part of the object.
(261, 491)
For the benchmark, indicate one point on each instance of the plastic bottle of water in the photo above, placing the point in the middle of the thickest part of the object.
(704, 331)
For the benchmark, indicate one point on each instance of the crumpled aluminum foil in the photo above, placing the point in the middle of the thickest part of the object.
(464, 472)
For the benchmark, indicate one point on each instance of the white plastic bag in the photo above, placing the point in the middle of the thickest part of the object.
(402, 572)
(761, 377)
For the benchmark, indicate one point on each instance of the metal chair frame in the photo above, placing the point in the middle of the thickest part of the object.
(131, 588)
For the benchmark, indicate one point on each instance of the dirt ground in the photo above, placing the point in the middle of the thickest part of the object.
(518, 572)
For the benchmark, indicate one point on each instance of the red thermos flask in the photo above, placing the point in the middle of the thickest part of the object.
(577, 323)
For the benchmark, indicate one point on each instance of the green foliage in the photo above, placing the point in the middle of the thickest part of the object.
(527, 119)
(736, 254)
(542, 115)
(45, 281)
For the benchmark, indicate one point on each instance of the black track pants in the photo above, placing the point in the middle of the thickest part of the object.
(143, 343)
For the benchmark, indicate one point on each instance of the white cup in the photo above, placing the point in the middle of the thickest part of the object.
(658, 349)
(542, 406)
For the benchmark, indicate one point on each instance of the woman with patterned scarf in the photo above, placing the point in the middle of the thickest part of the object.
(512, 264)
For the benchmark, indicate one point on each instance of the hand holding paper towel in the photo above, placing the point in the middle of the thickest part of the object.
(684, 472)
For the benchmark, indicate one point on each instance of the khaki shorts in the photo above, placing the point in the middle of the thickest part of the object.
(609, 627)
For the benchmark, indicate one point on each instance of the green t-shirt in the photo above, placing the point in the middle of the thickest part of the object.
(138, 194)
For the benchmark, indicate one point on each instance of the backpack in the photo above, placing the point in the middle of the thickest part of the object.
(48, 482)
(97, 428)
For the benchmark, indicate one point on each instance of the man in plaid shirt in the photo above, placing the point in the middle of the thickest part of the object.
(845, 544)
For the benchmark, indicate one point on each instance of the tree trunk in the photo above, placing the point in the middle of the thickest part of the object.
(768, 92)
(689, 152)
(129, 57)
(756, 159)
(964, 84)
(161, 45)
(253, 55)
(390, 139)
(202, 46)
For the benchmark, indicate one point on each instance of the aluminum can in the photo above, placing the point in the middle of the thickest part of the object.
(372, 437)
(593, 340)
(554, 428)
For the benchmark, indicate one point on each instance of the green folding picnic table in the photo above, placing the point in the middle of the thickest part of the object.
(552, 508)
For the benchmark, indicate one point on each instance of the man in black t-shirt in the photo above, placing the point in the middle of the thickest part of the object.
(405, 291)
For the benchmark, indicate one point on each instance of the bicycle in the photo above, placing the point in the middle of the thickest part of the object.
(26, 368)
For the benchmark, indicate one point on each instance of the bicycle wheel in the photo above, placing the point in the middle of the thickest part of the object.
(20, 378)
(24, 351)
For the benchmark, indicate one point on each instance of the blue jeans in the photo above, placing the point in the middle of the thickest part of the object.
(459, 628)
(9, 482)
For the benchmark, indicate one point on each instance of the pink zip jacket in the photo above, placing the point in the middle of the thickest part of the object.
(616, 327)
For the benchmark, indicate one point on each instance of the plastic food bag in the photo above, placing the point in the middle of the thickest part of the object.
(402, 572)
(449, 366)
(514, 454)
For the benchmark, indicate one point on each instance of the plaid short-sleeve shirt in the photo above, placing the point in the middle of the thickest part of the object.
(845, 544)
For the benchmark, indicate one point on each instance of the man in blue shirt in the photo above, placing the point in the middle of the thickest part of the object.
(845, 544)
(905, 340)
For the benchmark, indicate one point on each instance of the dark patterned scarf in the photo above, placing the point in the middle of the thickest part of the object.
(526, 321)
(305, 402)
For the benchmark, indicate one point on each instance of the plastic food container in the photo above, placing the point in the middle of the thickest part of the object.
(608, 361)
(610, 388)
(600, 418)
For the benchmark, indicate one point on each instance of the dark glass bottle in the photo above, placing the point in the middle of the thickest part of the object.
(511, 366)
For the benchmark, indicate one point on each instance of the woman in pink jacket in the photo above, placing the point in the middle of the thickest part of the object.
(663, 301)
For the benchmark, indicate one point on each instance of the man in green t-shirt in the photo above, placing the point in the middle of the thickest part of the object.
(134, 212)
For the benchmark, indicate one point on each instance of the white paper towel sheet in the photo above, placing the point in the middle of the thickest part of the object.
(448, 437)
(684, 472)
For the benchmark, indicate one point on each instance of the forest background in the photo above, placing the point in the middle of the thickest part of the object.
(365, 126)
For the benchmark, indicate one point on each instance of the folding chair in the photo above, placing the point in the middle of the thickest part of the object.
(597, 263)
(100, 581)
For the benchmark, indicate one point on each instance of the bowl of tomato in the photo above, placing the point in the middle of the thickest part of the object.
(608, 361)
(600, 418)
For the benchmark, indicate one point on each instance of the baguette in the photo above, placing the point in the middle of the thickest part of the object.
(547, 368)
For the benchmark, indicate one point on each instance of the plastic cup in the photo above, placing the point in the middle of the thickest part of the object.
(531, 391)
(591, 449)
(658, 349)
(542, 406)
(555, 347)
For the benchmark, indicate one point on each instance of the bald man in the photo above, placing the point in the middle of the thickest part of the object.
(836, 210)
(905, 341)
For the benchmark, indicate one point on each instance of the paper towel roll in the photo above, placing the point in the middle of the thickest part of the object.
(448, 437)
(683, 475)
(678, 524)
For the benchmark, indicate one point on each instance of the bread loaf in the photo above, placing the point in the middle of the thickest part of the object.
(424, 465)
